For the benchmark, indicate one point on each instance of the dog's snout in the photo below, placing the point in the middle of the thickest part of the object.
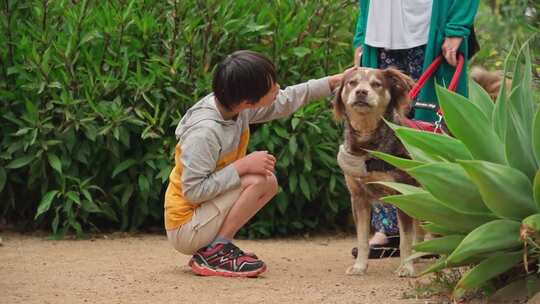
(361, 92)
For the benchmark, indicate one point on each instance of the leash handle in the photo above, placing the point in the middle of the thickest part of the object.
(431, 69)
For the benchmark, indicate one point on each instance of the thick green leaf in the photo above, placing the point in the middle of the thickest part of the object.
(449, 183)
(398, 162)
(533, 222)
(415, 152)
(55, 162)
(536, 188)
(45, 203)
(499, 118)
(440, 245)
(497, 235)
(486, 270)
(20, 162)
(481, 99)
(123, 166)
(518, 149)
(523, 105)
(435, 144)
(507, 192)
(536, 136)
(517, 115)
(437, 229)
(467, 123)
(424, 206)
(401, 188)
(435, 267)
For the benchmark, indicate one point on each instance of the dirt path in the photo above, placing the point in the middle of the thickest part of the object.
(145, 269)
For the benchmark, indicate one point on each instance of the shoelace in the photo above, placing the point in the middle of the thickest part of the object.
(233, 250)
(236, 252)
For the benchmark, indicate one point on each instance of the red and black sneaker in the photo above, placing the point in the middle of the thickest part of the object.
(226, 260)
(249, 254)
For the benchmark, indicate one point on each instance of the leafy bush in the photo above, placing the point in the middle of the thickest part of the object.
(498, 22)
(481, 189)
(91, 92)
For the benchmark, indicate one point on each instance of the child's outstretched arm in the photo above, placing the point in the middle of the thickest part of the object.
(293, 97)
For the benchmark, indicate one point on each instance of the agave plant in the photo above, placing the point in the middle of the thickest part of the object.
(481, 186)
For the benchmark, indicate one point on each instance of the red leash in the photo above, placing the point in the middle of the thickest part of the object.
(426, 126)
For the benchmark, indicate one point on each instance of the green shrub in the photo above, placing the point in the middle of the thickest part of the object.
(91, 92)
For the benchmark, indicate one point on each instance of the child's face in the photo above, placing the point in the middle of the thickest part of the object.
(269, 98)
(265, 101)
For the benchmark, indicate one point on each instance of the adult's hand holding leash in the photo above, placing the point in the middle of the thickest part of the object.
(449, 49)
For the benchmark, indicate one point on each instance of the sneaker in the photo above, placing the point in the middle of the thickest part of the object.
(225, 260)
(249, 254)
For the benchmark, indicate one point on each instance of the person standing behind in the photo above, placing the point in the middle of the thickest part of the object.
(409, 35)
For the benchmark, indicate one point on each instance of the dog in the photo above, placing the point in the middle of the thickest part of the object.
(490, 81)
(364, 97)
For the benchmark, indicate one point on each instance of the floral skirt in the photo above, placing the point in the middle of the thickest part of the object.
(409, 61)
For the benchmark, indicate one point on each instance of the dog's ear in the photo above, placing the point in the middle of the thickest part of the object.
(337, 102)
(400, 85)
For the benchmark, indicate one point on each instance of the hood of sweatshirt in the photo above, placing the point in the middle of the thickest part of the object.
(202, 112)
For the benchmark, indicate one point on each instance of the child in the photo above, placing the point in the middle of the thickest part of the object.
(215, 188)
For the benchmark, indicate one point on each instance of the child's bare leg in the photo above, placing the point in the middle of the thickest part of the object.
(257, 190)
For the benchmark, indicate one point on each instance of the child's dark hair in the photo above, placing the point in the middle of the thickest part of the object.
(243, 76)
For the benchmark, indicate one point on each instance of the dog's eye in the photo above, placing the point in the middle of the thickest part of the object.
(353, 83)
(376, 84)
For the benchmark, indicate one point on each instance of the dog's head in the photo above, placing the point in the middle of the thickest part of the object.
(367, 92)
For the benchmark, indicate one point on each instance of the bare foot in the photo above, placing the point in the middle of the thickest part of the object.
(378, 238)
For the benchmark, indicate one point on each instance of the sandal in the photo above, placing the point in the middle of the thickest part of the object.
(388, 250)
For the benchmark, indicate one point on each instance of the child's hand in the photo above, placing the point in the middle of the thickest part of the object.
(258, 162)
(335, 80)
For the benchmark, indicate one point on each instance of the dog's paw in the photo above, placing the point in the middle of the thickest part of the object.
(356, 270)
(406, 270)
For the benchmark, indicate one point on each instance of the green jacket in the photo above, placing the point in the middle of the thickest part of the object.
(449, 18)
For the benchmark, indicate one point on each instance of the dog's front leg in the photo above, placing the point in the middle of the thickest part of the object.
(419, 233)
(406, 234)
(362, 217)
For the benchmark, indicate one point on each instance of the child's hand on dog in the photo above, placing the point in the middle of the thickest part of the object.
(258, 162)
(335, 80)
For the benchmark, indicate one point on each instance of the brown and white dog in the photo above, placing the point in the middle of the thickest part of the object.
(364, 98)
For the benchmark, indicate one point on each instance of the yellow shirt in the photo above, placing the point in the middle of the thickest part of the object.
(178, 210)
